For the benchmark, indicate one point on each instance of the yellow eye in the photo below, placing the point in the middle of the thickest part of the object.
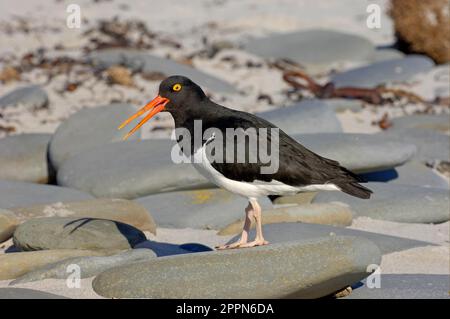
(176, 87)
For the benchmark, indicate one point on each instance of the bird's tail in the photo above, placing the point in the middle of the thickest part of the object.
(356, 190)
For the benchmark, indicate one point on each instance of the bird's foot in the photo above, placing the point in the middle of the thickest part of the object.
(231, 246)
(256, 242)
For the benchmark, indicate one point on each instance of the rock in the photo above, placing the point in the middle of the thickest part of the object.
(76, 233)
(430, 145)
(359, 152)
(324, 214)
(24, 293)
(342, 293)
(21, 194)
(386, 54)
(316, 49)
(341, 105)
(135, 60)
(395, 70)
(205, 209)
(121, 210)
(162, 249)
(129, 169)
(297, 199)
(89, 266)
(31, 97)
(9, 74)
(398, 203)
(411, 173)
(441, 93)
(8, 223)
(120, 75)
(309, 116)
(397, 286)
(438, 123)
(88, 129)
(24, 158)
(287, 232)
(311, 269)
(443, 167)
(441, 77)
(412, 19)
(14, 265)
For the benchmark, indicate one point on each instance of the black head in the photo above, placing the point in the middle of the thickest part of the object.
(176, 95)
(180, 91)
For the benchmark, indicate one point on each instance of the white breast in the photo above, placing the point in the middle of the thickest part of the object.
(253, 189)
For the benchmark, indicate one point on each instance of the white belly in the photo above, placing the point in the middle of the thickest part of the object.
(253, 189)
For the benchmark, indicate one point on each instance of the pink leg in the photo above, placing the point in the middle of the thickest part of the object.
(244, 235)
(259, 239)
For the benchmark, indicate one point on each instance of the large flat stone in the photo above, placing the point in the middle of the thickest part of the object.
(8, 223)
(205, 209)
(411, 286)
(121, 210)
(438, 123)
(324, 214)
(25, 293)
(309, 116)
(89, 266)
(31, 97)
(386, 54)
(76, 233)
(24, 158)
(21, 194)
(287, 232)
(14, 265)
(441, 77)
(340, 105)
(359, 152)
(395, 70)
(399, 203)
(411, 173)
(134, 60)
(430, 145)
(88, 129)
(128, 170)
(313, 48)
(308, 269)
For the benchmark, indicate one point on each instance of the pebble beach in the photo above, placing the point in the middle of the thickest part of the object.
(84, 214)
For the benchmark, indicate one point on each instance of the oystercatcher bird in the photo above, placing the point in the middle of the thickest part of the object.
(297, 169)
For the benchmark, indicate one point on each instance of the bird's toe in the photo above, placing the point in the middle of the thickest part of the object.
(230, 246)
(257, 242)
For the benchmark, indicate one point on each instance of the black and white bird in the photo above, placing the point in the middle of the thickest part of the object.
(298, 169)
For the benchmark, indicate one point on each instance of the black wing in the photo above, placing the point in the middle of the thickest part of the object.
(298, 166)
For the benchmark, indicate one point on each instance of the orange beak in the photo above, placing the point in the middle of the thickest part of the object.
(155, 106)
